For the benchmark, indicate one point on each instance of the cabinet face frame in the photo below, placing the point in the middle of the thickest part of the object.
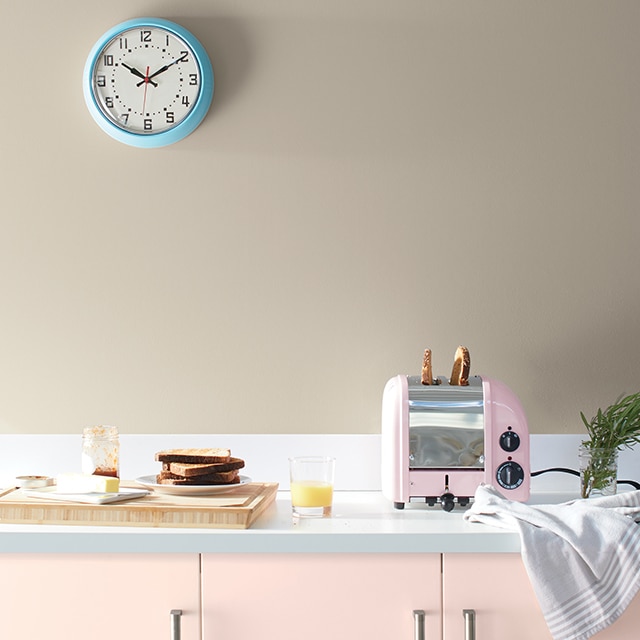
(319, 596)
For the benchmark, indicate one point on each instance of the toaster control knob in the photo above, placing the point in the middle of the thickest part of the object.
(509, 441)
(510, 475)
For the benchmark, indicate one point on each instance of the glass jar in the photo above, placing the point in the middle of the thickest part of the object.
(101, 451)
(598, 471)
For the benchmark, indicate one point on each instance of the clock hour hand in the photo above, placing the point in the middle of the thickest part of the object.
(163, 69)
(135, 72)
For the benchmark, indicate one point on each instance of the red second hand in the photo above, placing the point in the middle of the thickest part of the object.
(146, 84)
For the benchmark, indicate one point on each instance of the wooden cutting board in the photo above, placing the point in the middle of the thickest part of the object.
(237, 509)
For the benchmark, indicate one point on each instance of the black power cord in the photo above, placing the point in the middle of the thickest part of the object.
(573, 472)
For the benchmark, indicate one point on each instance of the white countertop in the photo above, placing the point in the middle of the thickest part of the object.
(362, 522)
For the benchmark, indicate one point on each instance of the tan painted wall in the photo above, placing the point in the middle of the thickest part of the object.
(374, 177)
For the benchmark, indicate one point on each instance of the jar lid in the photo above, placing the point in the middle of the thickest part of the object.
(100, 431)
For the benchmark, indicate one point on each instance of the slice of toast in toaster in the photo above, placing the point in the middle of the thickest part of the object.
(427, 370)
(461, 367)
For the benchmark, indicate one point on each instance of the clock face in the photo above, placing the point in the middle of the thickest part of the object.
(146, 80)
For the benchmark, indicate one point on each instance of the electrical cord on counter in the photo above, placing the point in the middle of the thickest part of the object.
(573, 472)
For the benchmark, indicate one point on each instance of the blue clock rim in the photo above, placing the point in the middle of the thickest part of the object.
(184, 128)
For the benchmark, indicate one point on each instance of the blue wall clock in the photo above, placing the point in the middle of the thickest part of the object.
(148, 82)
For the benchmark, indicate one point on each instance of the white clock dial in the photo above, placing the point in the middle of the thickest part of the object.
(146, 80)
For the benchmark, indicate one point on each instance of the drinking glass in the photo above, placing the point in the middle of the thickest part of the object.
(311, 486)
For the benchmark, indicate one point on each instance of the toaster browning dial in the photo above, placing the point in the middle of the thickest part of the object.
(510, 475)
(509, 441)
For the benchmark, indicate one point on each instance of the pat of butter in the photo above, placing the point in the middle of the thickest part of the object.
(82, 483)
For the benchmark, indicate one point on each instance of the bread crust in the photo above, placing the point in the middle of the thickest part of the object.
(461, 367)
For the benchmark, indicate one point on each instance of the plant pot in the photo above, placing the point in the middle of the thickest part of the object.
(598, 472)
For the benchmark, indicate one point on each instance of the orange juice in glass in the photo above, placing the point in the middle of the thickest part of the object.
(311, 486)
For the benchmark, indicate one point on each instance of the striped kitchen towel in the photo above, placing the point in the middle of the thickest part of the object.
(582, 557)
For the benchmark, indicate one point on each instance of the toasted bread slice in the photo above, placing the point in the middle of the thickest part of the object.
(461, 367)
(194, 456)
(188, 470)
(427, 371)
(225, 477)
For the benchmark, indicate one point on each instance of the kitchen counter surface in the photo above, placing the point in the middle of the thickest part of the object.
(362, 522)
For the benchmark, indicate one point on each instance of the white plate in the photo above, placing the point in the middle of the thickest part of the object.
(190, 489)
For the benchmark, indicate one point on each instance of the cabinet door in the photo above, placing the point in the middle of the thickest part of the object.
(626, 627)
(319, 596)
(98, 596)
(497, 587)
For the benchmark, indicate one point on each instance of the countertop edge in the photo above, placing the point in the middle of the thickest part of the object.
(363, 522)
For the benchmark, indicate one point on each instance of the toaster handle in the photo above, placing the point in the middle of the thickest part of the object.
(469, 624)
(418, 624)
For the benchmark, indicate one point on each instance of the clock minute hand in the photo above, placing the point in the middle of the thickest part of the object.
(163, 69)
(135, 72)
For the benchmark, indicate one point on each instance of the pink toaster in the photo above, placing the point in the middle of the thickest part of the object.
(441, 441)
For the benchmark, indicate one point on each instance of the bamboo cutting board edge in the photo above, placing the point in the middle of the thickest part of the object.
(155, 510)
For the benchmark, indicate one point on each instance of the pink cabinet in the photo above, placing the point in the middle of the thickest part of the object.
(627, 627)
(274, 596)
(98, 596)
(319, 596)
(497, 588)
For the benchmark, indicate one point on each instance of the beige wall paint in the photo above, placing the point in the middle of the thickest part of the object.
(373, 178)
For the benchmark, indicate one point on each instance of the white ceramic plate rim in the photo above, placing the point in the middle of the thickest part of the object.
(189, 489)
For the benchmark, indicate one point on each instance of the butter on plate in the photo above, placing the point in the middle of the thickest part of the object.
(84, 483)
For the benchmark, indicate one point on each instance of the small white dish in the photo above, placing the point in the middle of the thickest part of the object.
(33, 482)
(190, 489)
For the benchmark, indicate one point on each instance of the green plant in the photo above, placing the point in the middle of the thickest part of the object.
(611, 430)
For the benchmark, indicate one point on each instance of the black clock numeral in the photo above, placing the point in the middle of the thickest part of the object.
(184, 56)
(108, 60)
(148, 124)
(193, 78)
(145, 35)
(185, 101)
(123, 43)
(109, 102)
(101, 81)
(171, 117)
(125, 118)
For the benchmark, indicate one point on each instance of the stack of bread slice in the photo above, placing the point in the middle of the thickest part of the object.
(198, 467)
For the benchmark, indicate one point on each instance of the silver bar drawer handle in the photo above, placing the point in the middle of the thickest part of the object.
(469, 624)
(418, 624)
(176, 615)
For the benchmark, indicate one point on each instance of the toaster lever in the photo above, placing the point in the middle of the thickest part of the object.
(447, 500)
